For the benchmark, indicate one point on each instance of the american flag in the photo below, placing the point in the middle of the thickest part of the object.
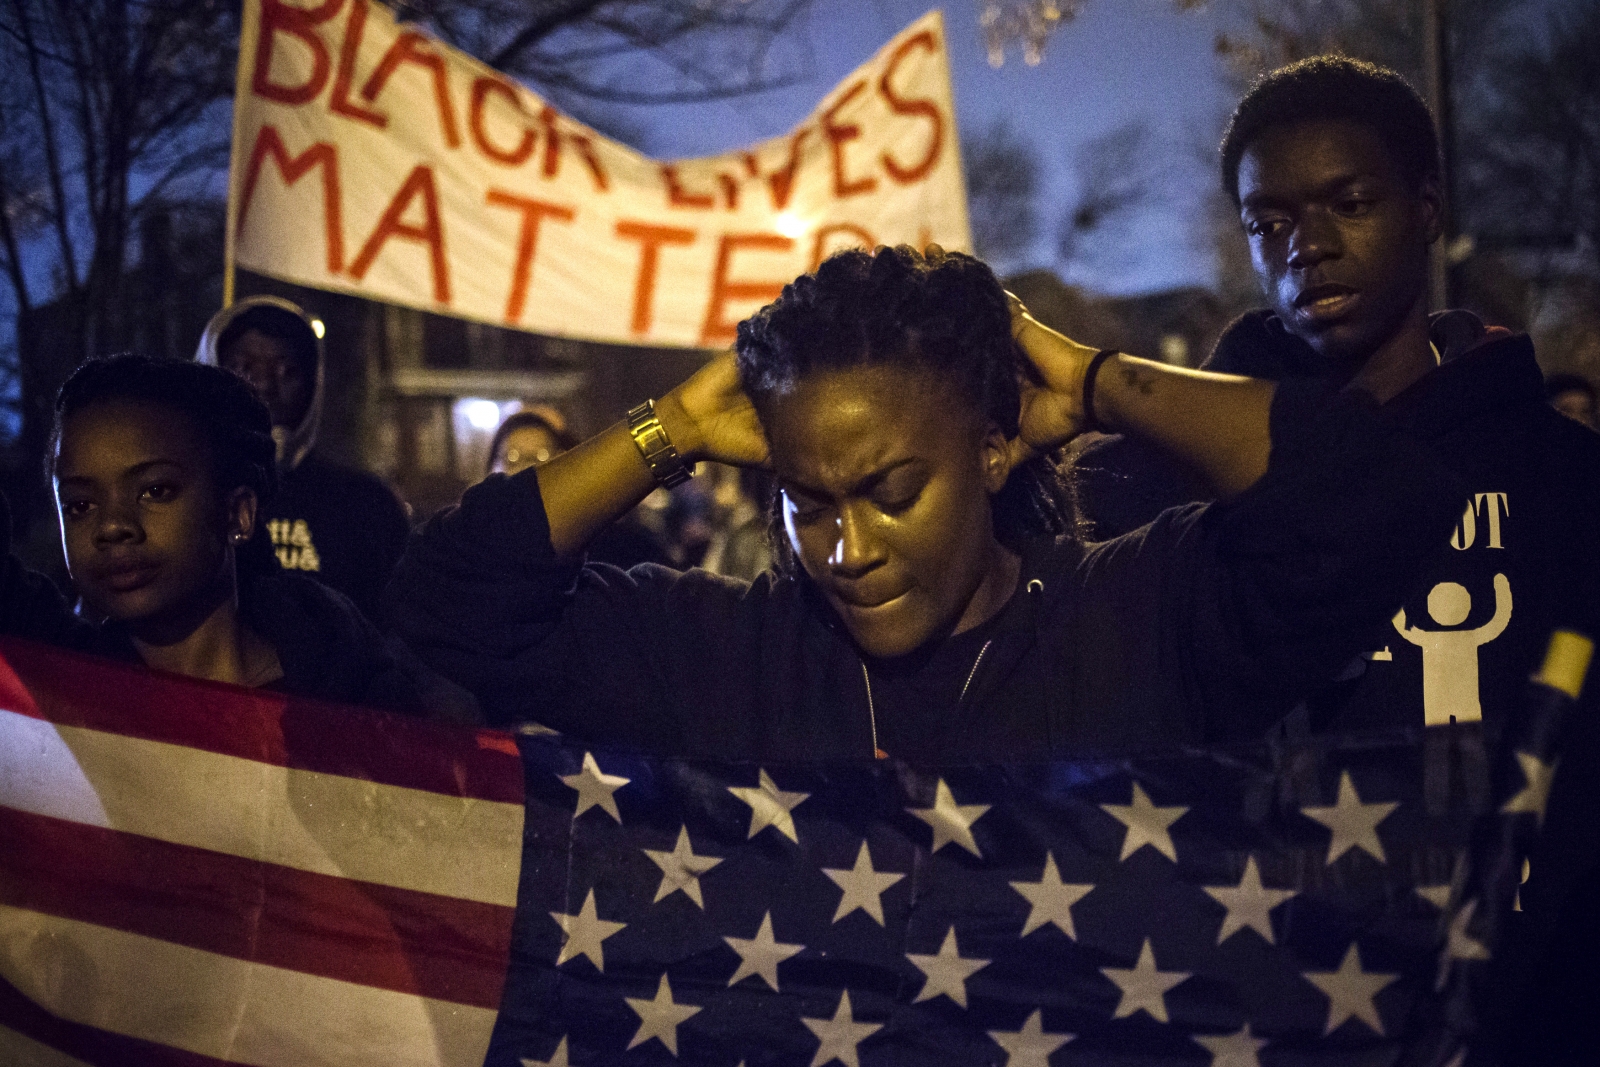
(192, 874)
(195, 875)
(1254, 906)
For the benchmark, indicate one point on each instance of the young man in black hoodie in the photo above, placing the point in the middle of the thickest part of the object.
(1334, 165)
(342, 526)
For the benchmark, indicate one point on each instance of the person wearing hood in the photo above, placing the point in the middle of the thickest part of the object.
(160, 469)
(341, 525)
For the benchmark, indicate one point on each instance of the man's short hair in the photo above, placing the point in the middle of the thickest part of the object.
(1324, 88)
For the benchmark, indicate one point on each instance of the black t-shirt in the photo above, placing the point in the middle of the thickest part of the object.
(911, 695)
(342, 526)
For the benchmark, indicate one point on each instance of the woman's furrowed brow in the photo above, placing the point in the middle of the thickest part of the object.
(866, 483)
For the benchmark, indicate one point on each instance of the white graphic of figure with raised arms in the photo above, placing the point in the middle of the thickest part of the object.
(1450, 657)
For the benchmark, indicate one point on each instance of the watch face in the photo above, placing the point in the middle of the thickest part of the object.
(666, 466)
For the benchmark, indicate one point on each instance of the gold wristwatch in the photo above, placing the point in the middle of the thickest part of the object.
(666, 465)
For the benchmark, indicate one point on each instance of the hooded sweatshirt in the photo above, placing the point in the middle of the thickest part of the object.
(1207, 624)
(342, 526)
(1521, 561)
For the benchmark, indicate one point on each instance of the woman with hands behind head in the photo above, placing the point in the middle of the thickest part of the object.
(934, 604)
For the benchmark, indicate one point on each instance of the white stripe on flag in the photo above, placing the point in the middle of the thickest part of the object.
(323, 823)
(17, 1050)
(192, 1000)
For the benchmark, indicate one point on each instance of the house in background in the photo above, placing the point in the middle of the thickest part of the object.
(416, 397)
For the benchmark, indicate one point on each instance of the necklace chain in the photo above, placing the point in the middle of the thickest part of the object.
(872, 713)
(872, 709)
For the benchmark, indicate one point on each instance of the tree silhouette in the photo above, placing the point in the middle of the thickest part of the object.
(1002, 171)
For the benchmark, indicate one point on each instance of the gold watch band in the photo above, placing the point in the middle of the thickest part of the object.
(666, 465)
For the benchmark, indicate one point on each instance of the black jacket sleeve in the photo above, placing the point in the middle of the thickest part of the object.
(30, 604)
(1261, 599)
(638, 657)
(377, 526)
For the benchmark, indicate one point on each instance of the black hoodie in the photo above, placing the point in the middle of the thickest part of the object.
(1534, 480)
(1207, 624)
(343, 525)
(1534, 483)
(327, 648)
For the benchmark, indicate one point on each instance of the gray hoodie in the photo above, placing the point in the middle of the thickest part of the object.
(294, 442)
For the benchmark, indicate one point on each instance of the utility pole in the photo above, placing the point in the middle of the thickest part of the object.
(1436, 68)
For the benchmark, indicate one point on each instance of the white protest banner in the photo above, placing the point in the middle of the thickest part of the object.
(371, 159)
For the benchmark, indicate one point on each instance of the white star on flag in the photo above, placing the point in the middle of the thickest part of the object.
(1030, 1046)
(1437, 895)
(947, 972)
(1249, 904)
(1353, 824)
(1232, 1050)
(585, 931)
(951, 822)
(1462, 945)
(1146, 823)
(1052, 900)
(594, 788)
(840, 1035)
(761, 954)
(1459, 945)
(659, 1018)
(1143, 987)
(1350, 991)
(1534, 797)
(770, 806)
(557, 1060)
(681, 869)
(863, 887)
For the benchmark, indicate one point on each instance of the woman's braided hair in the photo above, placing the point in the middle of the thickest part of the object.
(943, 313)
(233, 423)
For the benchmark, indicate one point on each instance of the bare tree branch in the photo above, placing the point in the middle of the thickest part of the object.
(540, 27)
(1002, 172)
(716, 48)
(1119, 173)
(8, 239)
(52, 157)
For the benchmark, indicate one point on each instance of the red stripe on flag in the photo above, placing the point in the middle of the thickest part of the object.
(92, 1045)
(397, 939)
(14, 695)
(77, 690)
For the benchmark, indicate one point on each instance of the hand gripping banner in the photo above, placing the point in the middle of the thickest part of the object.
(192, 874)
(371, 159)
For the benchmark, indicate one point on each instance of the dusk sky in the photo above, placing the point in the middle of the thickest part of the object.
(1120, 60)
